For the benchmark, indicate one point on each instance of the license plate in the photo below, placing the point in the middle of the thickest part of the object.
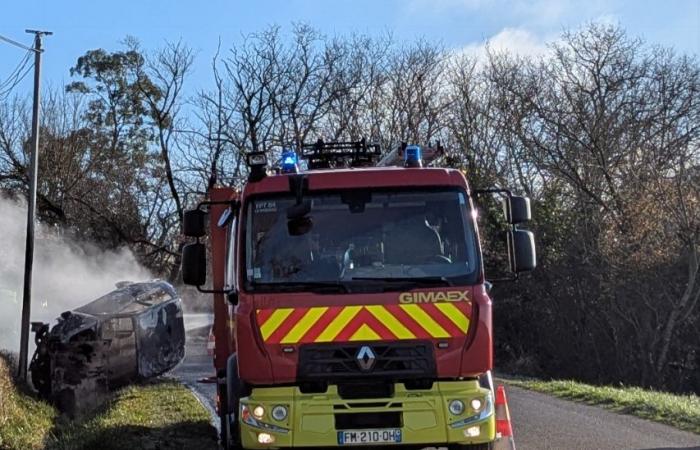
(360, 437)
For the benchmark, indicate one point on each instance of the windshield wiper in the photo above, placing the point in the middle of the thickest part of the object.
(300, 286)
(432, 281)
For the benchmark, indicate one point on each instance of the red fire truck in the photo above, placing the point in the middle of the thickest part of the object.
(351, 305)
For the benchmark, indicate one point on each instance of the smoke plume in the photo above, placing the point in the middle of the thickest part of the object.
(67, 273)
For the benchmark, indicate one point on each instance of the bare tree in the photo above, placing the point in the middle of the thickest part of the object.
(609, 125)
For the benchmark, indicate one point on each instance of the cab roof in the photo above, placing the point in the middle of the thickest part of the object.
(364, 177)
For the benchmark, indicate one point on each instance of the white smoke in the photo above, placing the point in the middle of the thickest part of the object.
(67, 273)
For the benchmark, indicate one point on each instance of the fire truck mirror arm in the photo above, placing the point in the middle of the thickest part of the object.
(515, 208)
(194, 220)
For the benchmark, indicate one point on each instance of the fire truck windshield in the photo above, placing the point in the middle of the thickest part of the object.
(350, 238)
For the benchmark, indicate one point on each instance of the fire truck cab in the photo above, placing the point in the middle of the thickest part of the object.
(350, 301)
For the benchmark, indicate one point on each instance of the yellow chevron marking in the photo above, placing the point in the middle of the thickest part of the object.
(456, 315)
(306, 322)
(388, 320)
(424, 320)
(274, 321)
(365, 333)
(337, 325)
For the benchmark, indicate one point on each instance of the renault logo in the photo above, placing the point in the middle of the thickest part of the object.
(365, 358)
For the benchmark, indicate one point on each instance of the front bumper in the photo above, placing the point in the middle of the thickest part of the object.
(423, 416)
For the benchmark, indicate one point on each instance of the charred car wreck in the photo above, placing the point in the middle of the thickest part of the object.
(133, 333)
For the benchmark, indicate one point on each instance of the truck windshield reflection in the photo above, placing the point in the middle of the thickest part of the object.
(402, 235)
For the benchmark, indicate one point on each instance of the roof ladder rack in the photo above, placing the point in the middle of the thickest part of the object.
(326, 155)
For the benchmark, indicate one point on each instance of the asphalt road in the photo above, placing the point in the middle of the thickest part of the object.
(539, 421)
(544, 422)
(197, 364)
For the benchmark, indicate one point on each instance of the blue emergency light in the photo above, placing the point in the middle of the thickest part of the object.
(412, 156)
(289, 161)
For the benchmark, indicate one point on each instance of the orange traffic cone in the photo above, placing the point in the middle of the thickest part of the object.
(211, 348)
(504, 430)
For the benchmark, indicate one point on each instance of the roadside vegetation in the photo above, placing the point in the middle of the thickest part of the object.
(24, 421)
(159, 415)
(680, 411)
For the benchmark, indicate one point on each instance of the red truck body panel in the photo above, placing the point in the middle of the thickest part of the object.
(265, 363)
(223, 320)
(268, 364)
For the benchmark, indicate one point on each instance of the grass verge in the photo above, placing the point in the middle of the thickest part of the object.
(24, 421)
(680, 411)
(159, 415)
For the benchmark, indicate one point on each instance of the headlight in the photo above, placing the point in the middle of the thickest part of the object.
(456, 407)
(258, 412)
(476, 404)
(472, 431)
(279, 413)
(266, 438)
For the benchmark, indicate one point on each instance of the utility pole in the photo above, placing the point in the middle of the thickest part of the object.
(31, 213)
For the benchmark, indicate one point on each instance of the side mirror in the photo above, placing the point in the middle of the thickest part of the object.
(299, 210)
(299, 226)
(194, 264)
(193, 223)
(521, 251)
(517, 209)
(298, 222)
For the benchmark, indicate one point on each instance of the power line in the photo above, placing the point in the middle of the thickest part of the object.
(17, 44)
(22, 69)
(16, 76)
(4, 93)
(17, 69)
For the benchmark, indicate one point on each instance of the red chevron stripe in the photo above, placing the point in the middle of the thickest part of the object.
(382, 330)
(443, 320)
(364, 317)
(466, 307)
(321, 324)
(286, 326)
(263, 315)
(408, 322)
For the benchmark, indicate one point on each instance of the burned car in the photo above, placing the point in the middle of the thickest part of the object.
(133, 333)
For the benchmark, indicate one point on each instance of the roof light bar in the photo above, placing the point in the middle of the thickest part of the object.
(289, 161)
(413, 156)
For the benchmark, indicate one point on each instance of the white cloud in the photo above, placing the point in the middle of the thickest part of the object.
(516, 41)
(542, 14)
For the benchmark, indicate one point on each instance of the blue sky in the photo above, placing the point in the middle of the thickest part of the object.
(522, 26)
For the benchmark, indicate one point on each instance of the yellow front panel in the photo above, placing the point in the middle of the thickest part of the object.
(425, 415)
